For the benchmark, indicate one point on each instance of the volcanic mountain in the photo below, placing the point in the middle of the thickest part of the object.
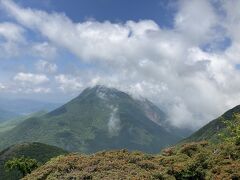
(100, 118)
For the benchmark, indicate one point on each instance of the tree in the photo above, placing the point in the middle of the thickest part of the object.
(232, 132)
(23, 165)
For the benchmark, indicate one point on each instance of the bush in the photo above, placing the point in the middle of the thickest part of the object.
(23, 165)
(232, 132)
(189, 149)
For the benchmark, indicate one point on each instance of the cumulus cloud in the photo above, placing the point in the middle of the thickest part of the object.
(35, 90)
(44, 50)
(190, 20)
(68, 83)
(40, 90)
(31, 78)
(11, 31)
(11, 38)
(2, 87)
(45, 66)
(171, 67)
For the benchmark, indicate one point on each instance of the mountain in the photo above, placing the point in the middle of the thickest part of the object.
(10, 124)
(100, 118)
(6, 115)
(188, 161)
(41, 152)
(25, 106)
(211, 130)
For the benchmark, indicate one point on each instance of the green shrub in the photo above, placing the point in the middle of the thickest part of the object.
(189, 149)
(23, 165)
(232, 132)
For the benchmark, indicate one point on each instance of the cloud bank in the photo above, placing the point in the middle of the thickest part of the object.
(190, 70)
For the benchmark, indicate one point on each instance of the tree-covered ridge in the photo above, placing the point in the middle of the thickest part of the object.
(38, 151)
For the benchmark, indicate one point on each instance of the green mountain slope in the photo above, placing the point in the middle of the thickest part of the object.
(10, 124)
(41, 152)
(188, 161)
(211, 130)
(99, 118)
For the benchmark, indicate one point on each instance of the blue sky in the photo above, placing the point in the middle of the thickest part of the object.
(183, 55)
(161, 11)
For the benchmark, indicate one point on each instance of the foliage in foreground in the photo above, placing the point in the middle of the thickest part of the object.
(23, 164)
(189, 161)
(231, 133)
(41, 152)
(196, 160)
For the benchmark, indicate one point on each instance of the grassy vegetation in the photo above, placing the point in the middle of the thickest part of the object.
(189, 161)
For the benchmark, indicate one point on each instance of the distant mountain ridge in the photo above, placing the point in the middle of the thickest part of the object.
(212, 129)
(25, 106)
(9, 124)
(99, 118)
(6, 115)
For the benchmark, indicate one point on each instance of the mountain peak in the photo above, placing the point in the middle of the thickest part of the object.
(103, 92)
(104, 89)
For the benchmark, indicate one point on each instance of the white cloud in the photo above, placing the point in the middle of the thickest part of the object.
(168, 66)
(11, 39)
(114, 122)
(68, 83)
(44, 50)
(2, 87)
(33, 90)
(197, 20)
(45, 66)
(31, 78)
(11, 32)
(41, 90)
